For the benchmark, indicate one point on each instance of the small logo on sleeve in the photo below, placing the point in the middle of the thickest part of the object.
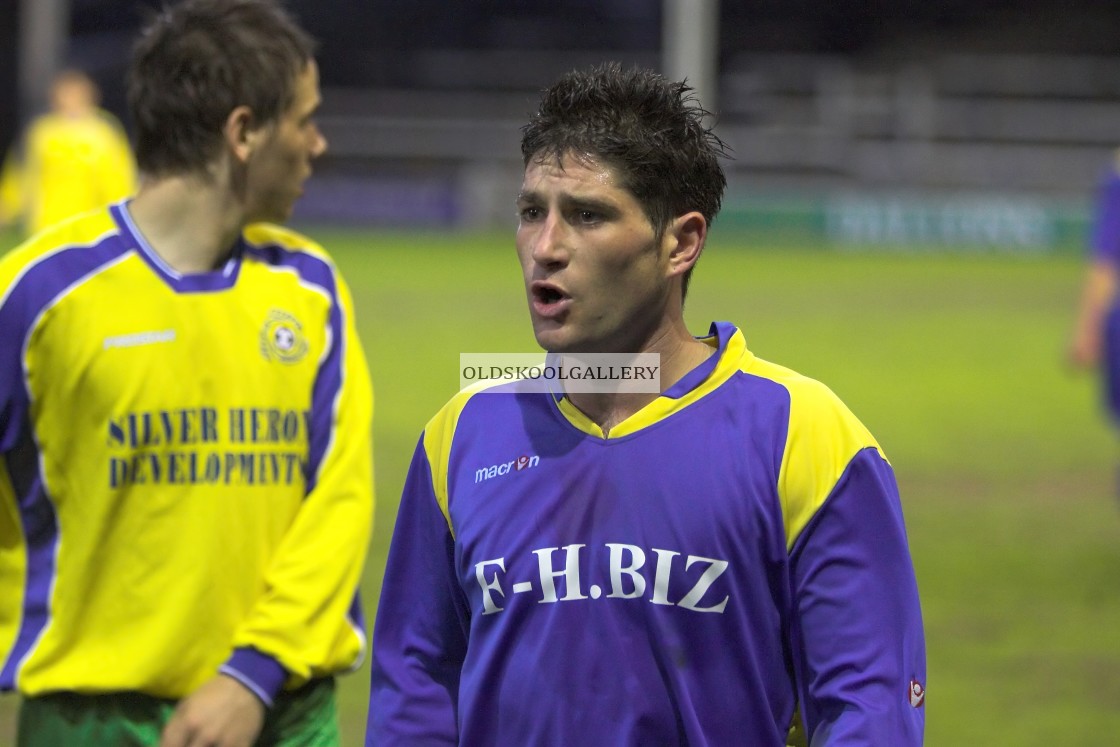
(282, 338)
(917, 694)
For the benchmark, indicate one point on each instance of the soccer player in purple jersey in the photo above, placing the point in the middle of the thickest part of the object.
(719, 561)
(1095, 342)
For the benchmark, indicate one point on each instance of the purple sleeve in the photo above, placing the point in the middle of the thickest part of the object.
(260, 673)
(858, 645)
(420, 635)
(1105, 239)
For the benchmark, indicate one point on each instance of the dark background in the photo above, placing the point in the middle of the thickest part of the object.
(375, 43)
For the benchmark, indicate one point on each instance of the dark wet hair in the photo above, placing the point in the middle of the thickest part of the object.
(648, 129)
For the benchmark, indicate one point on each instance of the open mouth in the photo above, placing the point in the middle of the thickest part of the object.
(547, 295)
(548, 300)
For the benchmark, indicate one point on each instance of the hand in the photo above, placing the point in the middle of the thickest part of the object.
(1085, 350)
(221, 713)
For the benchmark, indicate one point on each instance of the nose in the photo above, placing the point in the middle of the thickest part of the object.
(318, 143)
(549, 245)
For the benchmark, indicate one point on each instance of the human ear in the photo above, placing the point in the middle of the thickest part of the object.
(241, 132)
(686, 235)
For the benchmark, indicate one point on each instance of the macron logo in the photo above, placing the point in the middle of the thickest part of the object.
(514, 465)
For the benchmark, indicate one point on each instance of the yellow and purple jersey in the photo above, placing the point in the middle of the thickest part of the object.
(185, 464)
(731, 555)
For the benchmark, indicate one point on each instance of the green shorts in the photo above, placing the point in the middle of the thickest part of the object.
(306, 717)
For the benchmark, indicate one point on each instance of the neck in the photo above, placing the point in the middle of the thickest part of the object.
(680, 353)
(191, 222)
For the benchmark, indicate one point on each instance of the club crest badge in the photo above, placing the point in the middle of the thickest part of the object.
(282, 338)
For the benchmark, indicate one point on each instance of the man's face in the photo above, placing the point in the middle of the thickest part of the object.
(596, 275)
(282, 163)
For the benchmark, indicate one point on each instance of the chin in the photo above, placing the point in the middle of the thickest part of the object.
(556, 337)
(546, 344)
(273, 213)
(551, 342)
(281, 214)
(563, 346)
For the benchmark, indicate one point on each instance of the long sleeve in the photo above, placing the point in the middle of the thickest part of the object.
(18, 467)
(858, 645)
(307, 622)
(420, 636)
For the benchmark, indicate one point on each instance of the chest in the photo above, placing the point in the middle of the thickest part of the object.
(675, 516)
(147, 366)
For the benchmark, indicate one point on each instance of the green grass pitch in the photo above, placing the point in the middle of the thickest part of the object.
(1007, 468)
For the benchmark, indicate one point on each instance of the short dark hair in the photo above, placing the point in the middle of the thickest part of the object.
(197, 61)
(648, 129)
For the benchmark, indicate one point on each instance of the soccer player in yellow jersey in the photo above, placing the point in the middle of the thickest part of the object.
(72, 159)
(185, 452)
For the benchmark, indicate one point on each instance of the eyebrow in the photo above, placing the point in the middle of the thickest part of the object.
(569, 201)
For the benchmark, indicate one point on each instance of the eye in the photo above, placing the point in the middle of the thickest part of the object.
(588, 217)
(530, 213)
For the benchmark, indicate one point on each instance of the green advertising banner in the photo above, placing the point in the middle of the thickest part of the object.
(959, 222)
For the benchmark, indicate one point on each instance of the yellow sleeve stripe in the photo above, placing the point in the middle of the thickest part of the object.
(823, 438)
(439, 434)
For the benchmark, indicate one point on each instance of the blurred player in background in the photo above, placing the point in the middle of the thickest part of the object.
(1095, 342)
(73, 159)
(696, 564)
(186, 472)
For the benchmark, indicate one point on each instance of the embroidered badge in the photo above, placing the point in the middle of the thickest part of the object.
(282, 338)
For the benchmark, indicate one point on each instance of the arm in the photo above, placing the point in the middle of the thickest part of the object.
(305, 624)
(420, 636)
(1097, 294)
(857, 632)
(15, 440)
(1100, 285)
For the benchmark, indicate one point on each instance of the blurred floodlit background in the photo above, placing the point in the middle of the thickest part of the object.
(852, 121)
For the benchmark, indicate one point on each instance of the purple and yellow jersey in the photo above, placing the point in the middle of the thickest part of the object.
(730, 555)
(186, 471)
